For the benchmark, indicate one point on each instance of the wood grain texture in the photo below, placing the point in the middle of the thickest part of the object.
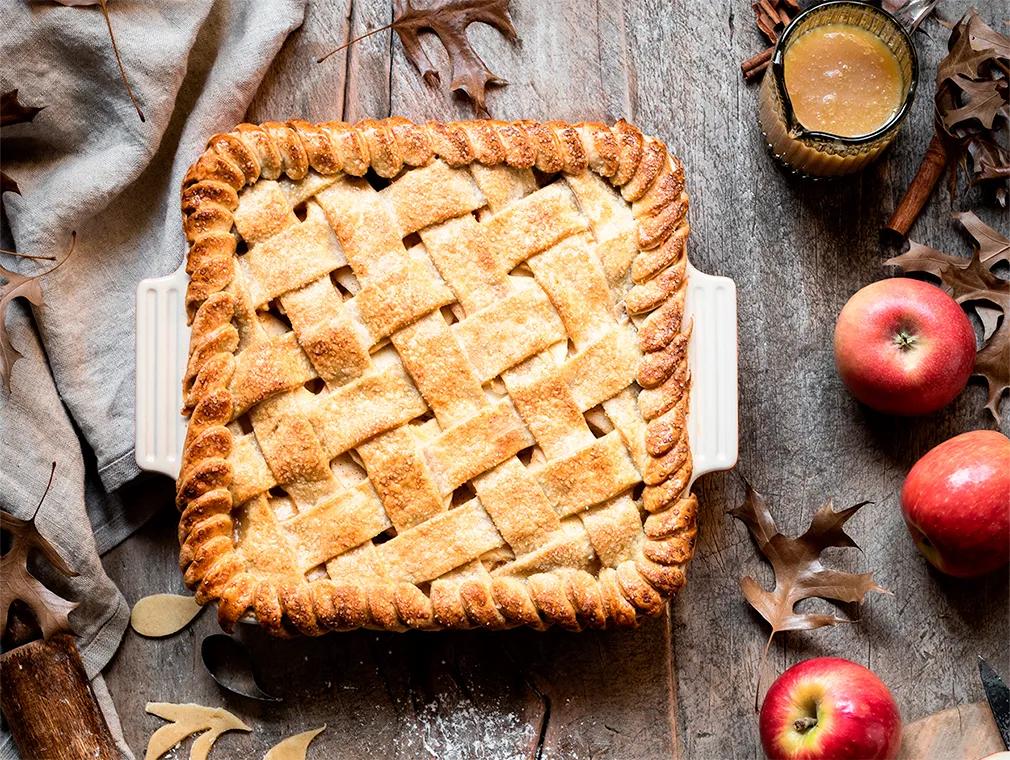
(797, 251)
(48, 705)
(966, 732)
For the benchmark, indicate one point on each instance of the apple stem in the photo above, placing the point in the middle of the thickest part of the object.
(805, 723)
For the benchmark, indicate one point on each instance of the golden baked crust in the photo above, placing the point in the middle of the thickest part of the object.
(437, 377)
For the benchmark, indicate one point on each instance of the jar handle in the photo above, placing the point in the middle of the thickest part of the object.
(911, 13)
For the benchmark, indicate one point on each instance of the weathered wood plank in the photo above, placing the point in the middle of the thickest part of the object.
(298, 87)
(967, 731)
(571, 63)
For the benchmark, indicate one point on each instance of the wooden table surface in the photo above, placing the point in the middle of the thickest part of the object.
(682, 685)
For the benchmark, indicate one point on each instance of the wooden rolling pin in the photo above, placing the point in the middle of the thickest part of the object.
(48, 703)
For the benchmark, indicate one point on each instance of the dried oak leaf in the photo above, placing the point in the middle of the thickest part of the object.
(971, 282)
(103, 5)
(50, 609)
(294, 747)
(186, 720)
(973, 102)
(14, 285)
(799, 572)
(985, 100)
(13, 111)
(448, 20)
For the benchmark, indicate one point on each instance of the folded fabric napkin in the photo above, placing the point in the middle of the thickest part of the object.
(87, 163)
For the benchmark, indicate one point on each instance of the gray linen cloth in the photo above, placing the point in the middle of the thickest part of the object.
(87, 163)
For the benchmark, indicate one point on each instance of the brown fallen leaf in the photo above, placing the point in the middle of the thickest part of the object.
(13, 111)
(448, 20)
(14, 285)
(50, 609)
(971, 114)
(799, 572)
(103, 4)
(992, 246)
(973, 102)
(186, 720)
(972, 283)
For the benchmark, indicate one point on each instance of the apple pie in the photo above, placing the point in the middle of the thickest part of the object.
(438, 376)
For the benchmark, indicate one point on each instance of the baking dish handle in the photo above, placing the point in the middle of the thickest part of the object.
(162, 348)
(712, 357)
(163, 344)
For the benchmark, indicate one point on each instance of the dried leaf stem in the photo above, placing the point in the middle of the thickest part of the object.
(356, 39)
(119, 60)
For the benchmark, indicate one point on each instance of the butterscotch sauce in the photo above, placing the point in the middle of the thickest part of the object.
(843, 80)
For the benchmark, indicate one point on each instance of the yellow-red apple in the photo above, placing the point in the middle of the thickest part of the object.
(828, 708)
(956, 503)
(903, 346)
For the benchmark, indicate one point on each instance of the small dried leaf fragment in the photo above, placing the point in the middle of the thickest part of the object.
(50, 609)
(294, 747)
(971, 282)
(186, 720)
(161, 615)
(799, 571)
(14, 285)
(992, 246)
(13, 111)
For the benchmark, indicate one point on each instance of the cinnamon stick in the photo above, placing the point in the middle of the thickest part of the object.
(933, 165)
(771, 16)
(754, 65)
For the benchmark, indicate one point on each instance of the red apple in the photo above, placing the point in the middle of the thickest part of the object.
(903, 346)
(828, 708)
(956, 503)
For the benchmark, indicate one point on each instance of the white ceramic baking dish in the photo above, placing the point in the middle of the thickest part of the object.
(163, 348)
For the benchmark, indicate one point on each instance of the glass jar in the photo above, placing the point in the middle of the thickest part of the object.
(822, 154)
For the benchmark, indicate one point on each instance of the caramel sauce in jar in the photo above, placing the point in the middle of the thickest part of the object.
(842, 79)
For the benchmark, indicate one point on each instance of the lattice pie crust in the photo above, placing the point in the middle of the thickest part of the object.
(438, 376)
